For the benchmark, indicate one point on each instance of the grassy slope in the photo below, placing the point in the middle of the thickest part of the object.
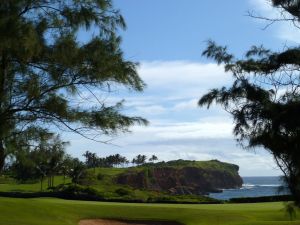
(61, 212)
(10, 185)
(106, 184)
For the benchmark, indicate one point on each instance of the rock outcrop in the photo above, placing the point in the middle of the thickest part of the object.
(184, 179)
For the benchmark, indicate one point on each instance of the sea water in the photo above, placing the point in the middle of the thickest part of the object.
(254, 187)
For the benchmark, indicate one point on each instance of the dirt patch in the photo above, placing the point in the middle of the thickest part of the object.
(127, 222)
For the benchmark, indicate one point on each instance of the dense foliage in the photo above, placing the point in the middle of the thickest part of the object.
(264, 98)
(47, 74)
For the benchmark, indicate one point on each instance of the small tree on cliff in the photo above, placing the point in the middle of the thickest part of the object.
(264, 99)
(45, 70)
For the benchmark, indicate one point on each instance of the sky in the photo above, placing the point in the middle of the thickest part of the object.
(167, 38)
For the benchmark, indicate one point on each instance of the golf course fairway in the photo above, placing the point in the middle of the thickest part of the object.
(51, 211)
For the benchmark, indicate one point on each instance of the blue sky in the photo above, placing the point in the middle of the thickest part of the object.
(167, 37)
(178, 29)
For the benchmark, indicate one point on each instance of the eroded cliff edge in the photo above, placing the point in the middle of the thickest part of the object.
(183, 177)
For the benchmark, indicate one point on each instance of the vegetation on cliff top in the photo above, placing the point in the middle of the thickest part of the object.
(211, 164)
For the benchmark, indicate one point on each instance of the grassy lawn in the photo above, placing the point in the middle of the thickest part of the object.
(44, 211)
(14, 186)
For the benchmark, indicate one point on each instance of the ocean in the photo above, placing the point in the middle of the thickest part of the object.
(254, 187)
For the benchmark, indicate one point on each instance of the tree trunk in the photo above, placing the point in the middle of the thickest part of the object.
(3, 88)
(49, 181)
(2, 156)
(42, 179)
(294, 186)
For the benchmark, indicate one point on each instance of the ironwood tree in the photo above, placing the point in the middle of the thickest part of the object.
(46, 71)
(43, 158)
(264, 99)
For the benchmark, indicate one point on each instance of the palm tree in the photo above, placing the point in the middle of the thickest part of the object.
(91, 160)
(153, 158)
(133, 161)
(110, 160)
(139, 159)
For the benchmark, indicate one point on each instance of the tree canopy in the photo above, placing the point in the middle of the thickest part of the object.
(264, 98)
(45, 69)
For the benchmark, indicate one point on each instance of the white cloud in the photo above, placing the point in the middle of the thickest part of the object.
(191, 130)
(284, 30)
(178, 128)
(176, 85)
(171, 132)
(182, 75)
(171, 86)
(186, 105)
(150, 110)
(198, 140)
(173, 146)
(264, 6)
(289, 33)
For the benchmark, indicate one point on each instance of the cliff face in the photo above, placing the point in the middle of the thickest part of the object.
(183, 179)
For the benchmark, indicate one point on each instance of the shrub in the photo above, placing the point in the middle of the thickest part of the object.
(276, 198)
(100, 176)
(122, 191)
(87, 178)
(79, 192)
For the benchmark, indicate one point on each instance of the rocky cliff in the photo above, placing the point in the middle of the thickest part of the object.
(183, 177)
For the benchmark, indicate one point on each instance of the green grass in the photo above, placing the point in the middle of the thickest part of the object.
(106, 184)
(44, 211)
(10, 185)
(106, 187)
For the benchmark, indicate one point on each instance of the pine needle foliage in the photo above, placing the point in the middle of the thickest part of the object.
(264, 98)
(45, 68)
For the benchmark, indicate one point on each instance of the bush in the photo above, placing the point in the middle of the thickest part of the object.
(79, 192)
(188, 199)
(276, 198)
(100, 176)
(87, 178)
(122, 191)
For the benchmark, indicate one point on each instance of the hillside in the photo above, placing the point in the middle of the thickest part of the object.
(183, 177)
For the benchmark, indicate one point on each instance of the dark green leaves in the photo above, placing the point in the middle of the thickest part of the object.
(45, 68)
(218, 53)
(264, 101)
